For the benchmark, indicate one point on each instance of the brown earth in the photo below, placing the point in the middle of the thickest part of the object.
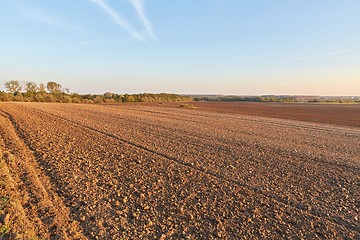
(339, 114)
(138, 171)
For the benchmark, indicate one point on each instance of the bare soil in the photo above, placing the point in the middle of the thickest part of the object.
(338, 114)
(161, 171)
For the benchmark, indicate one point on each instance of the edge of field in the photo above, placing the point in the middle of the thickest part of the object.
(29, 206)
(14, 224)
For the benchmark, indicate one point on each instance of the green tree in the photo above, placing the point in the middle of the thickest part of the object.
(98, 99)
(6, 96)
(30, 87)
(108, 95)
(53, 87)
(128, 98)
(42, 88)
(13, 86)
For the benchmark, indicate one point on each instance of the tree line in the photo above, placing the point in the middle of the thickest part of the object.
(55, 92)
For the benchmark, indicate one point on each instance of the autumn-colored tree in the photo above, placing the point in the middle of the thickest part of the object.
(13, 86)
(42, 88)
(108, 95)
(31, 87)
(53, 87)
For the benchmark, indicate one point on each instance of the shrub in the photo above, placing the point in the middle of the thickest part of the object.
(98, 99)
(66, 99)
(109, 101)
(87, 101)
(49, 98)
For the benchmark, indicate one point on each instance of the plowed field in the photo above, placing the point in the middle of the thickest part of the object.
(137, 171)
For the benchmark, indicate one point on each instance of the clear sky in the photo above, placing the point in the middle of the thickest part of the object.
(184, 46)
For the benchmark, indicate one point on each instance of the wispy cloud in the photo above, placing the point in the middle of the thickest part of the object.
(118, 18)
(40, 14)
(140, 10)
(315, 56)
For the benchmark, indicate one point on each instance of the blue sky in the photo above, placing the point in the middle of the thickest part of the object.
(184, 46)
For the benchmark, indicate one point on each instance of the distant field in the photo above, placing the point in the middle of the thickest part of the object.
(339, 114)
(161, 171)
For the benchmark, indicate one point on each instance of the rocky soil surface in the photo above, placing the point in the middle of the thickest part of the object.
(137, 171)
